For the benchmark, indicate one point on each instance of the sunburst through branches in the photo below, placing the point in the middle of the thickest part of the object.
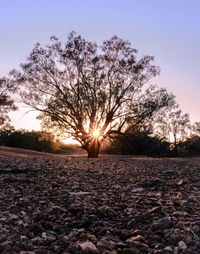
(96, 133)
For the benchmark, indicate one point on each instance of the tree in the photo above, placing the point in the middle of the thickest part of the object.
(192, 143)
(6, 102)
(90, 92)
(174, 126)
(139, 141)
(34, 140)
(196, 129)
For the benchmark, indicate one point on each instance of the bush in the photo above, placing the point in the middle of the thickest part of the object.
(139, 143)
(34, 140)
(191, 146)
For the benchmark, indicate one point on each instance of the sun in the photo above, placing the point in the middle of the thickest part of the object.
(96, 133)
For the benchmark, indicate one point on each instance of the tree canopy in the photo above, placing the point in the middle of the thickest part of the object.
(6, 102)
(173, 126)
(90, 92)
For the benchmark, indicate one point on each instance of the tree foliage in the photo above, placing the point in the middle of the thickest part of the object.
(33, 140)
(195, 128)
(173, 126)
(191, 145)
(6, 102)
(81, 87)
(139, 141)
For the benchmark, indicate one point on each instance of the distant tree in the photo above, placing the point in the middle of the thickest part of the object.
(139, 141)
(173, 126)
(191, 145)
(34, 140)
(90, 92)
(6, 103)
(195, 128)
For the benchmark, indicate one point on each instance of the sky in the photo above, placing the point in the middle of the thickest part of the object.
(166, 29)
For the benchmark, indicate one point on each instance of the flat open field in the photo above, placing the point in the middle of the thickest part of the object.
(114, 204)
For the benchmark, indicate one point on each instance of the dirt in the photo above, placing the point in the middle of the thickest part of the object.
(114, 204)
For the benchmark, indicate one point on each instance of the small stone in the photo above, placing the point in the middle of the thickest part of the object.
(137, 190)
(170, 172)
(162, 224)
(109, 252)
(159, 252)
(27, 252)
(182, 245)
(37, 239)
(44, 235)
(105, 244)
(141, 246)
(155, 209)
(110, 211)
(133, 250)
(137, 238)
(177, 234)
(175, 250)
(23, 237)
(179, 213)
(136, 232)
(75, 248)
(88, 248)
(106, 211)
(91, 237)
(180, 182)
(169, 249)
(51, 238)
(80, 193)
(141, 218)
(13, 216)
(80, 224)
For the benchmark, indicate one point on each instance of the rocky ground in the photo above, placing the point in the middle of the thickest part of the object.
(125, 205)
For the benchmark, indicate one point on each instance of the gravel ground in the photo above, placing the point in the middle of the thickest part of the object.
(114, 204)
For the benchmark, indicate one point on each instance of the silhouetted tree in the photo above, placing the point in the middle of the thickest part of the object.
(90, 92)
(195, 128)
(139, 141)
(173, 126)
(191, 145)
(6, 102)
(34, 140)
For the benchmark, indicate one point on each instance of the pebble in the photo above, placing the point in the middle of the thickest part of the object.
(136, 238)
(132, 250)
(162, 224)
(141, 246)
(110, 211)
(155, 209)
(13, 216)
(109, 252)
(137, 190)
(182, 245)
(169, 249)
(105, 244)
(141, 218)
(80, 193)
(175, 250)
(88, 248)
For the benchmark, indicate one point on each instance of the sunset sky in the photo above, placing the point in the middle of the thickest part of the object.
(166, 29)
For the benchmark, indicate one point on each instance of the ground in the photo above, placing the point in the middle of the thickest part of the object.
(113, 204)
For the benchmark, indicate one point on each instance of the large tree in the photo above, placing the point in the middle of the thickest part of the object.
(88, 91)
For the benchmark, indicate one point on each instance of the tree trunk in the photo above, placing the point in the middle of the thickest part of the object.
(93, 149)
(176, 153)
